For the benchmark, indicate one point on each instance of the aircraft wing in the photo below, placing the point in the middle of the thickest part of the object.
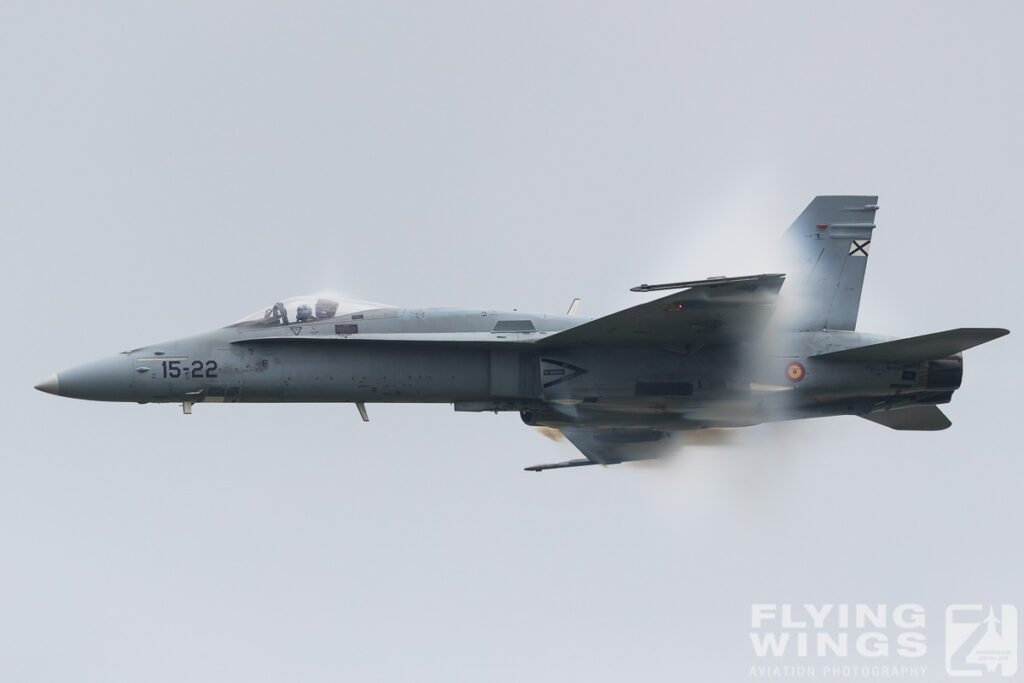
(704, 312)
(611, 446)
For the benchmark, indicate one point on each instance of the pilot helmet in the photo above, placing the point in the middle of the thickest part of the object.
(304, 312)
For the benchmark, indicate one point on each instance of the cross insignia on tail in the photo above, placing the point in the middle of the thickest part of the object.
(859, 247)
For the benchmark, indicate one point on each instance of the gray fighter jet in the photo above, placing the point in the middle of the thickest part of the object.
(716, 353)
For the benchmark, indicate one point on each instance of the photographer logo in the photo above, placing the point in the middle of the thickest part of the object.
(981, 640)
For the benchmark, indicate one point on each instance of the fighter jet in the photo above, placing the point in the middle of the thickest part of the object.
(718, 353)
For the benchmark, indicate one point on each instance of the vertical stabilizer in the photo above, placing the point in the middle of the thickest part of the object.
(827, 248)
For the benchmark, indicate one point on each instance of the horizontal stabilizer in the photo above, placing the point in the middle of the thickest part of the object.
(579, 462)
(914, 419)
(917, 349)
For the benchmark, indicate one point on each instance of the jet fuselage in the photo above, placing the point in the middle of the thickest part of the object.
(486, 360)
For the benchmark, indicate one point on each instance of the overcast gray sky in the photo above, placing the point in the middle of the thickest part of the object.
(170, 167)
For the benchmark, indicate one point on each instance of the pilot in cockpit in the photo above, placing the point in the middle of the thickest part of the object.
(307, 309)
(325, 309)
(304, 314)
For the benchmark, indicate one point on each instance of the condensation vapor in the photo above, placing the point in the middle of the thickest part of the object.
(745, 471)
(739, 234)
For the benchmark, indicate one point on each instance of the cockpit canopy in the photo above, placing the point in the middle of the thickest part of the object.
(304, 309)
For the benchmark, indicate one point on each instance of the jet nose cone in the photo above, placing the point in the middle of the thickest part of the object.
(50, 385)
(109, 379)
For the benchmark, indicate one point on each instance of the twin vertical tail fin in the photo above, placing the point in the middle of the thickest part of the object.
(827, 249)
